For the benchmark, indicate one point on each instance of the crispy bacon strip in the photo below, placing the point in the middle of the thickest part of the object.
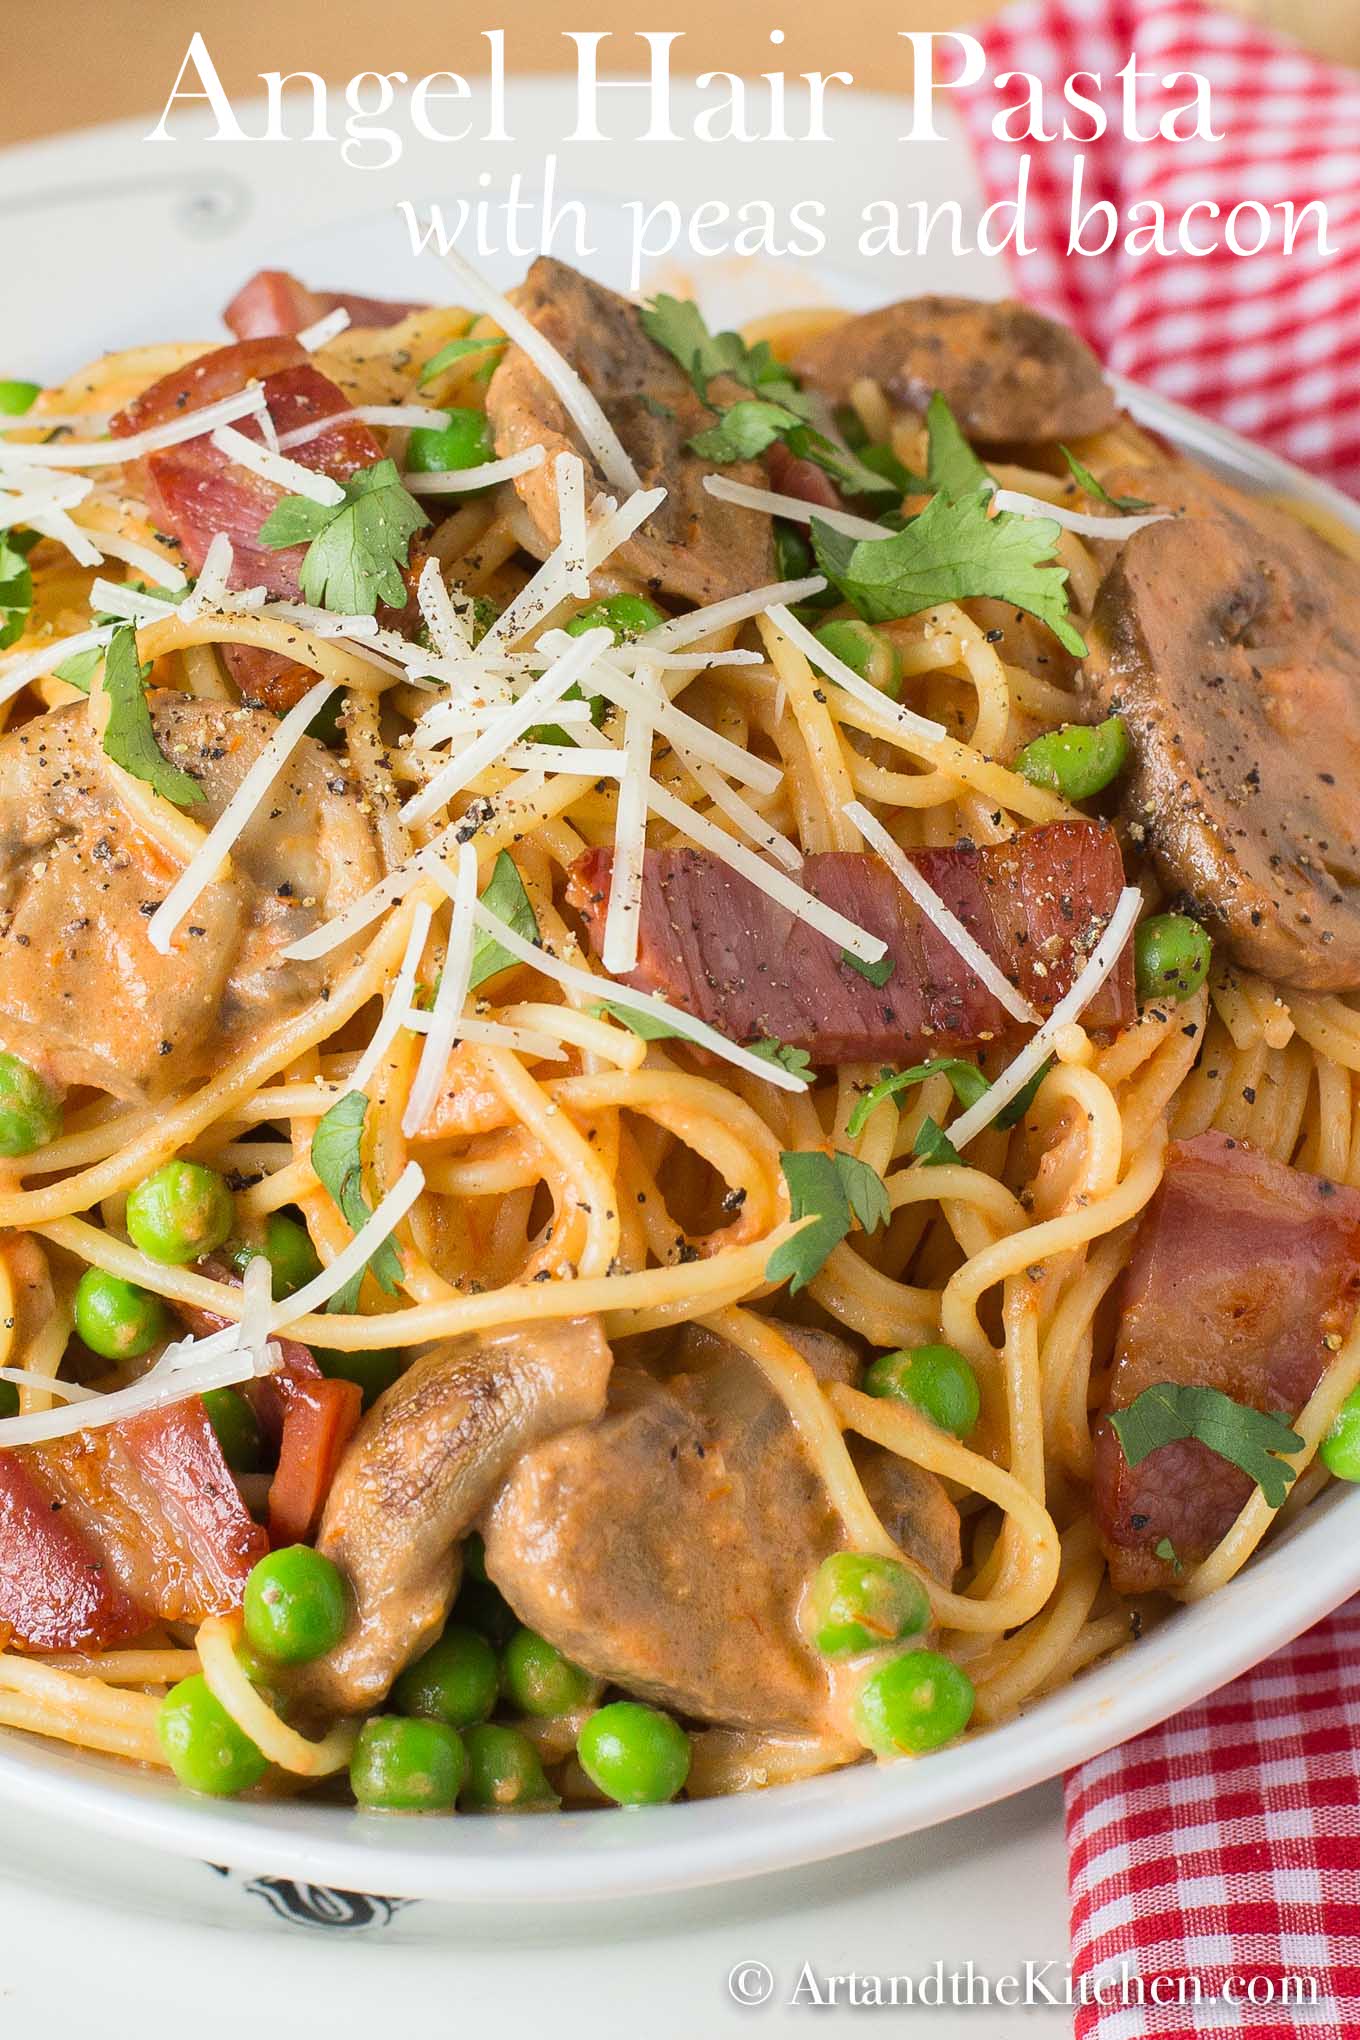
(272, 301)
(107, 1531)
(1244, 1268)
(715, 945)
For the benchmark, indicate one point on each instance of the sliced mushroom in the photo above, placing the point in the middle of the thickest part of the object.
(422, 1466)
(83, 995)
(667, 1548)
(1229, 640)
(694, 546)
(1010, 375)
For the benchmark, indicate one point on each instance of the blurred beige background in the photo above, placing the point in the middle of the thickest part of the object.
(94, 60)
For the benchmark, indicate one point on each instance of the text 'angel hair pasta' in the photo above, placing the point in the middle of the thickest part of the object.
(678, 1040)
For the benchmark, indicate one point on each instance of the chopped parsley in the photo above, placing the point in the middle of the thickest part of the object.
(953, 470)
(796, 1061)
(877, 974)
(1097, 491)
(506, 898)
(16, 584)
(356, 550)
(129, 735)
(458, 350)
(1250, 1439)
(1166, 1551)
(951, 553)
(932, 1145)
(966, 1078)
(832, 1191)
(337, 1157)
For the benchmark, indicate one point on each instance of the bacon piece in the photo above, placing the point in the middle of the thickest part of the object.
(793, 476)
(265, 679)
(272, 302)
(56, 1589)
(195, 492)
(308, 1419)
(714, 944)
(107, 1531)
(1243, 1269)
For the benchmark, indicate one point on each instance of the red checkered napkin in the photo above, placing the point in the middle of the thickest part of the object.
(1225, 1846)
(1270, 344)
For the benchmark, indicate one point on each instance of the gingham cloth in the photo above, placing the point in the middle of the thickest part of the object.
(1225, 1846)
(1268, 344)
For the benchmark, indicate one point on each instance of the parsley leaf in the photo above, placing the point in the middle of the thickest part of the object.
(645, 1025)
(831, 1190)
(855, 476)
(1097, 491)
(1166, 1551)
(337, 1157)
(356, 550)
(79, 669)
(1245, 1437)
(933, 1145)
(796, 1061)
(1011, 1115)
(876, 973)
(457, 350)
(744, 430)
(953, 469)
(130, 736)
(506, 898)
(16, 584)
(950, 553)
(966, 1078)
(677, 325)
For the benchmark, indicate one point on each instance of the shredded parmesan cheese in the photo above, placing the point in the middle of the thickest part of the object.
(285, 474)
(351, 1258)
(586, 985)
(25, 666)
(115, 452)
(187, 1367)
(1037, 1050)
(206, 862)
(582, 408)
(457, 481)
(322, 331)
(398, 1005)
(941, 916)
(774, 505)
(864, 691)
(449, 998)
(1080, 521)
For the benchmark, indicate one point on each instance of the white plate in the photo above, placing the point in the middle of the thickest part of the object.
(333, 236)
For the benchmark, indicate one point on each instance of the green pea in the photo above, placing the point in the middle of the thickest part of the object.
(115, 1318)
(457, 1680)
(287, 1246)
(865, 651)
(373, 1371)
(537, 1679)
(913, 1703)
(405, 1765)
(204, 1747)
(858, 1601)
(30, 1110)
(465, 442)
(1340, 1449)
(17, 397)
(635, 1754)
(936, 1380)
(327, 726)
(1171, 955)
(296, 1605)
(627, 616)
(238, 1433)
(505, 1773)
(1078, 760)
(9, 1399)
(180, 1212)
